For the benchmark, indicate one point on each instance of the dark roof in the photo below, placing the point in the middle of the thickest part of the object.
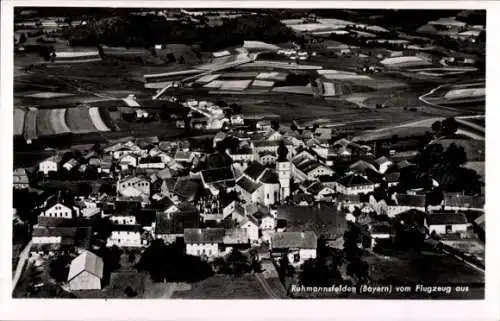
(254, 170)
(412, 217)
(324, 219)
(447, 218)
(207, 235)
(353, 180)
(382, 160)
(162, 204)
(381, 228)
(392, 177)
(457, 200)
(56, 222)
(177, 222)
(187, 188)
(362, 166)
(315, 188)
(410, 200)
(301, 240)
(126, 227)
(249, 186)
(269, 177)
(217, 174)
(83, 237)
(301, 197)
(54, 231)
(347, 198)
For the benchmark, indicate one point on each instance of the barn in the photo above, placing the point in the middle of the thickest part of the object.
(85, 272)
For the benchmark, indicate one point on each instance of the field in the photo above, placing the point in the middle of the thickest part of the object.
(465, 97)
(224, 287)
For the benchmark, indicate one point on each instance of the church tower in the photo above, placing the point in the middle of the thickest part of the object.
(283, 169)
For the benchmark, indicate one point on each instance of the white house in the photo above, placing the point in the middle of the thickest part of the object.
(69, 165)
(127, 161)
(49, 165)
(126, 236)
(447, 223)
(57, 206)
(123, 219)
(249, 191)
(128, 186)
(86, 272)
(383, 164)
(267, 158)
(54, 236)
(251, 225)
(204, 242)
(353, 184)
(298, 246)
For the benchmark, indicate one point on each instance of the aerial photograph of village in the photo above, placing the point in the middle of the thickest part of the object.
(226, 153)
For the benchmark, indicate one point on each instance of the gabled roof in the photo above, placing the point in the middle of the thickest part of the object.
(269, 177)
(246, 184)
(187, 188)
(251, 219)
(316, 188)
(177, 222)
(59, 198)
(289, 240)
(87, 261)
(217, 174)
(353, 180)
(447, 218)
(381, 160)
(457, 200)
(180, 155)
(54, 231)
(206, 235)
(362, 166)
(410, 200)
(236, 236)
(254, 170)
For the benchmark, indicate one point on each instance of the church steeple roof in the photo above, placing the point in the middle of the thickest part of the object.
(282, 152)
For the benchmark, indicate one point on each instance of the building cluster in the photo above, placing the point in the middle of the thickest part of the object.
(236, 197)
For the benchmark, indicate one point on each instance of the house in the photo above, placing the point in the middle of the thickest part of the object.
(383, 163)
(320, 191)
(354, 184)
(363, 168)
(59, 206)
(165, 205)
(105, 165)
(69, 165)
(272, 135)
(50, 164)
(404, 202)
(249, 190)
(204, 242)
(52, 238)
(152, 162)
(86, 272)
(380, 231)
(458, 202)
(216, 178)
(267, 158)
(124, 218)
(184, 157)
(20, 179)
(236, 238)
(127, 161)
(251, 225)
(133, 186)
(126, 235)
(170, 227)
(447, 223)
(298, 246)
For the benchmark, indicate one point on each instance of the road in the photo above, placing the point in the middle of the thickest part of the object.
(266, 286)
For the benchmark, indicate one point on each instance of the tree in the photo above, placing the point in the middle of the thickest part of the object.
(449, 126)
(293, 127)
(236, 108)
(314, 127)
(236, 263)
(22, 38)
(436, 126)
(84, 189)
(275, 124)
(59, 267)
(171, 57)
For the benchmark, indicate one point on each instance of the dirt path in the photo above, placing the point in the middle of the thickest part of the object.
(266, 286)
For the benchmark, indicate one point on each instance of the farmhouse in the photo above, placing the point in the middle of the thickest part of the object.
(125, 235)
(403, 202)
(171, 227)
(204, 242)
(50, 164)
(86, 272)
(20, 179)
(58, 206)
(52, 237)
(133, 186)
(251, 225)
(354, 184)
(383, 163)
(447, 223)
(298, 246)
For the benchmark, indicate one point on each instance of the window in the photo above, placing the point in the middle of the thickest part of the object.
(296, 258)
(448, 229)
(267, 195)
(209, 252)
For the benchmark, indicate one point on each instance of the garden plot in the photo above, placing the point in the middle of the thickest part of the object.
(280, 65)
(237, 85)
(274, 76)
(30, 130)
(262, 83)
(465, 93)
(259, 45)
(405, 62)
(58, 121)
(99, 124)
(79, 121)
(207, 78)
(48, 95)
(301, 90)
(18, 121)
